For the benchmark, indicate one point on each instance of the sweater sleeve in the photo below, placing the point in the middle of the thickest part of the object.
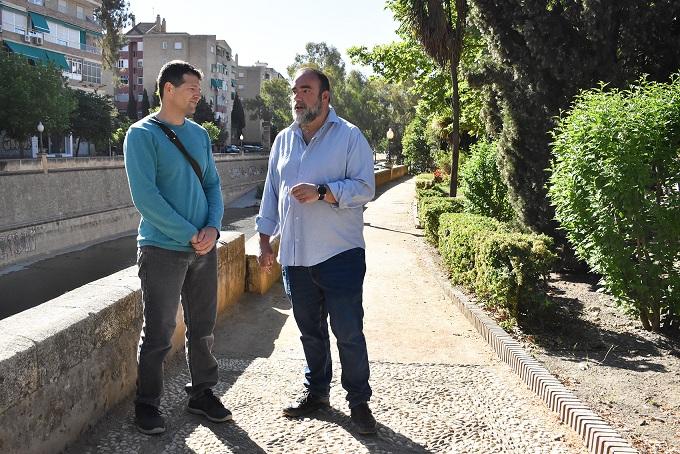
(140, 151)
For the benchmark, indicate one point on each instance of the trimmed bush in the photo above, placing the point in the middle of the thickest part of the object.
(424, 181)
(431, 208)
(512, 271)
(615, 185)
(507, 270)
(485, 191)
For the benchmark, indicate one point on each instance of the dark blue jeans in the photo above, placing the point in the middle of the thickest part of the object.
(332, 289)
(168, 276)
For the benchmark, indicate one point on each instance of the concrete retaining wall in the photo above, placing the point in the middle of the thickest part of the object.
(65, 363)
(84, 200)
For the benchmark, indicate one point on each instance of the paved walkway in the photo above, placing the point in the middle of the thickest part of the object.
(438, 388)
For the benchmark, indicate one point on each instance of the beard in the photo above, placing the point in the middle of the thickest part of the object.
(308, 114)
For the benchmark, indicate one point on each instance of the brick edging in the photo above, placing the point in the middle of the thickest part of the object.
(598, 436)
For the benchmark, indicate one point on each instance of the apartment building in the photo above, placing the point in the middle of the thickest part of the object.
(150, 46)
(249, 83)
(61, 31)
(65, 33)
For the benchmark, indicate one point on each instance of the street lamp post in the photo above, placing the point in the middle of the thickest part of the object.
(241, 138)
(390, 136)
(41, 128)
(43, 156)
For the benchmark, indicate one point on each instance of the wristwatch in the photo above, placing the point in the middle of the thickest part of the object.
(322, 189)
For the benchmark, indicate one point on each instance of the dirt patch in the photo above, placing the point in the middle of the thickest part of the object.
(629, 376)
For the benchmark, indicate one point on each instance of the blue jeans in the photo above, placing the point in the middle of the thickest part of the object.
(332, 289)
(168, 276)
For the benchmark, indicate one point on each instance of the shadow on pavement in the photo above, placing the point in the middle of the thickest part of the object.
(386, 440)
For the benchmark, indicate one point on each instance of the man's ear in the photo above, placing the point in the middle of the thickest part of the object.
(168, 88)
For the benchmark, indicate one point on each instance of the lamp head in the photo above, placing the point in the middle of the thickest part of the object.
(390, 134)
(41, 128)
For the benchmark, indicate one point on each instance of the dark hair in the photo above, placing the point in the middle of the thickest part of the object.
(324, 83)
(173, 72)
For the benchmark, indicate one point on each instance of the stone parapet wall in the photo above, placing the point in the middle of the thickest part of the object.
(80, 201)
(65, 363)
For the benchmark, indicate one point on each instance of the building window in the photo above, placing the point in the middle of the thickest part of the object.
(122, 97)
(38, 2)
(212, 49)
(80, 14)
(140, 46)
(92, 72)
(13, 22)
(61, 6)
(63, 35)
(123, 80)
(122, 63)
(240, 87)
(124, 48)
(241, 75)
(140, 81)
(178, 45)
(140, 63)
(164, 45)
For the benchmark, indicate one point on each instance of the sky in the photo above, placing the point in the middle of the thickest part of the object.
(274, 31)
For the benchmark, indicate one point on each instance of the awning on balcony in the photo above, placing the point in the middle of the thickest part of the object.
(27, 51)
(58, 59)
(39, 22)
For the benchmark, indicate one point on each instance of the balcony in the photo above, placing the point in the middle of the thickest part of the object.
(67, 13)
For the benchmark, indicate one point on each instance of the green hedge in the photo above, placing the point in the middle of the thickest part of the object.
(614, 185)
(430, 209)
(507, 270)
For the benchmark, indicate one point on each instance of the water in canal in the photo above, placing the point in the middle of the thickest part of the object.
(49, 278)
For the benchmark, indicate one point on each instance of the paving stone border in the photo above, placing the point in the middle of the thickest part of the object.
(598, 436)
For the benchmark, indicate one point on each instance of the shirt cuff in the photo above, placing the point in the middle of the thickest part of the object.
(266, 226)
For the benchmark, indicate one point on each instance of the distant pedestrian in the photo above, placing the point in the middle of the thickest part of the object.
(320, 177)
(180, 202)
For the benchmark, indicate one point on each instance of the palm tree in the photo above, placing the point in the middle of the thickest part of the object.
(440, 30)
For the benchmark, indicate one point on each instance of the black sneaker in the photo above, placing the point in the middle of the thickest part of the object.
(363, 419)
(305, 404)
(208, 405)
(148, 419)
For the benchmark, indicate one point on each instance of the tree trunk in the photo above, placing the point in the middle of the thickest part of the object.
(75, 152)
(644, 318)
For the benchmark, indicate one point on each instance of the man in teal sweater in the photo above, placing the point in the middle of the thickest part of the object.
(181, 219)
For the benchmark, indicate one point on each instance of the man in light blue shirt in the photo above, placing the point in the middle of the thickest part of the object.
(320, 177)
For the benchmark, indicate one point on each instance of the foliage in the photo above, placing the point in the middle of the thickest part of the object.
(540, 54)
(431, 208)
(507, 270)
(416, 147)
(485, 191)
(32, 94)
(114, 17)
(275, 95)
(204, 112)
(238, 117)
(155, 98)
(131, 111)
(121, 125)
(92, 119)
(213, 131)
(146, 106)
(615, 184)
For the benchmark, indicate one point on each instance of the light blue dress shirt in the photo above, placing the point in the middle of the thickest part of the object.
(339, 156)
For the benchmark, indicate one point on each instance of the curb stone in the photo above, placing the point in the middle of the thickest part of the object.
(598, 436)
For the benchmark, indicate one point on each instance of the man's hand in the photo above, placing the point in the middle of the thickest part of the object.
(305, 192)
(308, 193)
(265, 257)
(204, 241)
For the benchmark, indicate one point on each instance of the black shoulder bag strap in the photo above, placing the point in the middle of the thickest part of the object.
(174, 139)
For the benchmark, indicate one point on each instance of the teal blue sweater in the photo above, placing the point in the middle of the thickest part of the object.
(164, 187)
